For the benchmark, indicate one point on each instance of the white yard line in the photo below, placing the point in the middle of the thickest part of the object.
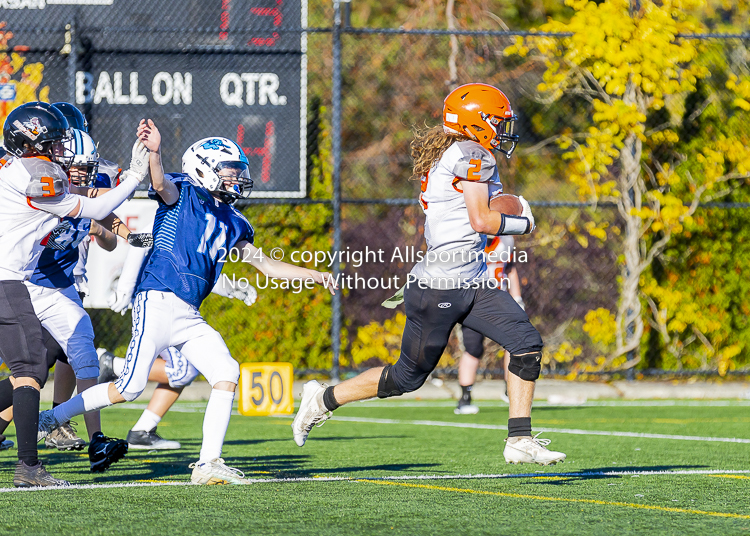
(540, 429)
(537, 474)
(478, 426)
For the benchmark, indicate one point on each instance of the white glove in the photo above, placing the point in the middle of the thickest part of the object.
(139, 160)
(82, 284)
(526, 213)
(519, 301)
(119, 301)
(248, 295)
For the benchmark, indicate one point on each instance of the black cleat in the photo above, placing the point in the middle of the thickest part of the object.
(106, 369)
(64, 437)
(31, 476)
(150, 441)
(5, 443)
(104, 451)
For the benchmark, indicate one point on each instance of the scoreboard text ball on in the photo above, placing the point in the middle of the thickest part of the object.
(233, 68)
(266, 389)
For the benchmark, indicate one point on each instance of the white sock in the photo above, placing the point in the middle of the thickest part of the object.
(215, 424)
(93, 398)
(148, 421)
(118, 365)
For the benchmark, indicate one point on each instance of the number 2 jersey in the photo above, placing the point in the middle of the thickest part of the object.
(192, 239)
(454, 249)
(58, 260)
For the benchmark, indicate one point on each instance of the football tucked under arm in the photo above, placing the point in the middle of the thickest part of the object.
(517, 218)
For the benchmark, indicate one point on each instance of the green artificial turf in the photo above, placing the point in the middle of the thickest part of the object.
(574, 497)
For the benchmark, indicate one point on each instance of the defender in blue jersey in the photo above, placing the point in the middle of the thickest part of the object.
(195, 227)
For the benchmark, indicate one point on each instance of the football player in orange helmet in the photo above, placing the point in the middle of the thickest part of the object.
(452, 284)
(481, 113)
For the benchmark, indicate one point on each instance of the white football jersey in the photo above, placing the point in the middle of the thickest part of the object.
(33, 196)
(454, 248)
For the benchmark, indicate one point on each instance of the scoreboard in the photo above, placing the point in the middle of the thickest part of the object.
(198, 68)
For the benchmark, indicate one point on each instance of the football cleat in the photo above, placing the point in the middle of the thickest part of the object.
(64, 437)
(216, 472)
(5, 443)
(33, 476)
(47, 423)
(106, 368)
(150, 441)
(530, 450)
(466, 408)
(311, 411)
(104, 451)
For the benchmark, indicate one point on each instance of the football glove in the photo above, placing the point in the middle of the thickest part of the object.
(248, 295)
(119, 301)
(519, 301)
(141, 240)
(139, 160)
(526, 213)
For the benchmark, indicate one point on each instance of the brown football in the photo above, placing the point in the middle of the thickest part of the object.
(506, 204)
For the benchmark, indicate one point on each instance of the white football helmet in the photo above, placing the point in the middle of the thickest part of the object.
(220, 165)
(85, 164)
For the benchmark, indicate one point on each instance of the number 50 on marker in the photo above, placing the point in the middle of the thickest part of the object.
(266, 388)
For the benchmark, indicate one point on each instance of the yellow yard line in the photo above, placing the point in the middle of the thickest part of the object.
(731, 476)
(561, 499)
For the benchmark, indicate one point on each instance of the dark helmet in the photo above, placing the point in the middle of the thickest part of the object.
(37, 128)
(74, 116)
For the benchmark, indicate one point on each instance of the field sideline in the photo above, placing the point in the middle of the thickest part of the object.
(413, 467)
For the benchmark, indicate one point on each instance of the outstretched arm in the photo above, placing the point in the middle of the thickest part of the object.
(104, 237)
(283, 270)
(151, 138)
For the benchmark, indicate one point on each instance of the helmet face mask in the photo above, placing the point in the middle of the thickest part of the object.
(483, 114)
(220, 166)
(85, 159)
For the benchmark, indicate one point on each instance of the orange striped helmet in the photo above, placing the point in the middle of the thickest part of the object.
(483, 113)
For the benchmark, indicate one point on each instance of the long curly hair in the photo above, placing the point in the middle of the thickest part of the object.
(428, 146)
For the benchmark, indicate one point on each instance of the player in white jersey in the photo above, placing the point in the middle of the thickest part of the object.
(451, 285)
(34, 194)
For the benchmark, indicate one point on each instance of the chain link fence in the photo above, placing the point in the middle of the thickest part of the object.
(325, 114)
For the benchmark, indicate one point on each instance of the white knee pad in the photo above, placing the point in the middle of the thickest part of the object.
(130, 396)
(225, 371)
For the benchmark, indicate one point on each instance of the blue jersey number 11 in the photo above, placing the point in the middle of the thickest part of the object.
(218, 243)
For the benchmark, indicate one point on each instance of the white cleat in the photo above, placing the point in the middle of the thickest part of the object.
(216, 472)
(311, 411)
(47, 423)
(466, 409)
(531, 450)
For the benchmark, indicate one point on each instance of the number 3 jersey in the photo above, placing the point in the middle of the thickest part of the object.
(454, 248)
(61, 252)
(192, 240)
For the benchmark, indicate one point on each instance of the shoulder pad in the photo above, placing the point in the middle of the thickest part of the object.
(472, 162)
(177, 178)
(47, 179)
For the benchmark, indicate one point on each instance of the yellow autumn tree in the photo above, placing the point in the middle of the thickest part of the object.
(629, 59)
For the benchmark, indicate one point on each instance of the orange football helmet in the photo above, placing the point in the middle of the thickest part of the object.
(483, 113)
